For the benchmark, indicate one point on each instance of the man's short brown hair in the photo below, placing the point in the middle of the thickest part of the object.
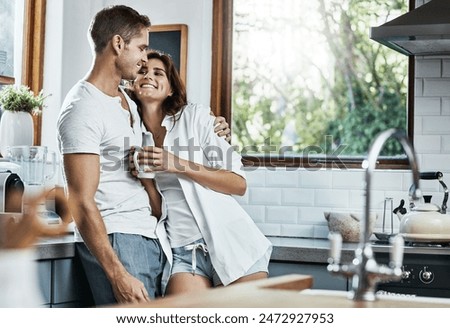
(116, 20)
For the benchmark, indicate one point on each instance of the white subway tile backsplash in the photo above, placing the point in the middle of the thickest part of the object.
(435, 162)
(445, 144)
(436, 87)
(418, 130)
(311, 215)
(386, 180)
(445, 106)
(321, 232)
(256, 177)
(348, 179)
(445, 68)
(427, 106)
(331, 198)
(265, 196)
(427, 144)
(428, 67)
(418, 84)
(297, 230)
(297, 196)
(270, 229)
(439, 125)
(282, 179)
(316, 179)
(281, 214)
(358, 199)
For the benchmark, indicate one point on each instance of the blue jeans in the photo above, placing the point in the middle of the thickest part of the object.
(142, 257)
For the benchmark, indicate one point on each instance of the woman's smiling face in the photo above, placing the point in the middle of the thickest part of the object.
(152, 82)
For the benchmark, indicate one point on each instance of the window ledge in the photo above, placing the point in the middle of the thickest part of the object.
(323, 162)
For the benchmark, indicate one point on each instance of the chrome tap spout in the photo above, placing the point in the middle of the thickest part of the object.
(370, 164)
(364, 269)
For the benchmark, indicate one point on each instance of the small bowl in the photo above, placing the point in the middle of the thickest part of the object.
(383, 236)
(348, 224)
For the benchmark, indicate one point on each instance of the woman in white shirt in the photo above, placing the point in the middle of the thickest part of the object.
(213, 240)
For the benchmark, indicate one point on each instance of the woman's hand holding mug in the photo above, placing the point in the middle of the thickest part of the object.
(145, 169)
(141, 166)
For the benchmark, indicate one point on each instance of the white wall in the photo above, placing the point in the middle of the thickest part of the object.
(282, 202)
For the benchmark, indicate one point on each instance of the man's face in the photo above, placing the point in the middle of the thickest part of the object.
(133, 56)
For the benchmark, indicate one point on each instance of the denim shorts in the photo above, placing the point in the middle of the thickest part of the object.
(142, 257)
(194, 258)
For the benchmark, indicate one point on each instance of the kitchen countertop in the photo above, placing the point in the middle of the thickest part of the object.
(285, 249)
(279, 292)
(289, 291)
(317, 250)
(55, 248)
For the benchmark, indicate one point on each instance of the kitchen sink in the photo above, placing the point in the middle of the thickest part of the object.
(381, 296)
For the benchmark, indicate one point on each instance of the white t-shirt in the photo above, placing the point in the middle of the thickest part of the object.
(93, 122)
(181, 226)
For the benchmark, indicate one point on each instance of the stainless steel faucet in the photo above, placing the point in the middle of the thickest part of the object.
(364, 270)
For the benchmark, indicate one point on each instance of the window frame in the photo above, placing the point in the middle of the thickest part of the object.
(221, 95)
(32, 55)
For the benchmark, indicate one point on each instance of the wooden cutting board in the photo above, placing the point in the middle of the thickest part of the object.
(279, 292)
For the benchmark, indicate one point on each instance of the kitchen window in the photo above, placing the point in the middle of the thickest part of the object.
(302, 84)
(22, 47)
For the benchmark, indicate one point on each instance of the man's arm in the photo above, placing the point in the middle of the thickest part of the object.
(221, 127)
(155, 197)
(82, 174)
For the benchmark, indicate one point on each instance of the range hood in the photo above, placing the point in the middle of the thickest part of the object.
(422, 31)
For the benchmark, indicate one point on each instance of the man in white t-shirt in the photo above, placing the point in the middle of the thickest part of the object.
(97, 125)
(115, 218)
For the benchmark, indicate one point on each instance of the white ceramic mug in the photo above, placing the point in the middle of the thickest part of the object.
(147, 140)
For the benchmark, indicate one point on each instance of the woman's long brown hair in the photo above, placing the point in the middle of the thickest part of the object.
(176, 102)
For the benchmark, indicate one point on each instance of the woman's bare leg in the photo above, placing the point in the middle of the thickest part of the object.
(253, 276)
(184, 282)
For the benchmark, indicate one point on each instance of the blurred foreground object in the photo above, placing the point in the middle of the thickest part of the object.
(18, 268)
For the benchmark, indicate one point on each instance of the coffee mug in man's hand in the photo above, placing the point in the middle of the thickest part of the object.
(142, 174)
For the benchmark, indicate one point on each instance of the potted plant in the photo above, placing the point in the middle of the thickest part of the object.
(18, 103)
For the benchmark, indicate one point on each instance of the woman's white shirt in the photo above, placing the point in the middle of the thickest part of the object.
(234, 241)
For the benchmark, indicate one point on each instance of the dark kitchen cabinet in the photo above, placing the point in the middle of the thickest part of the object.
(45, 281)
(322, 279)
(63, 284)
